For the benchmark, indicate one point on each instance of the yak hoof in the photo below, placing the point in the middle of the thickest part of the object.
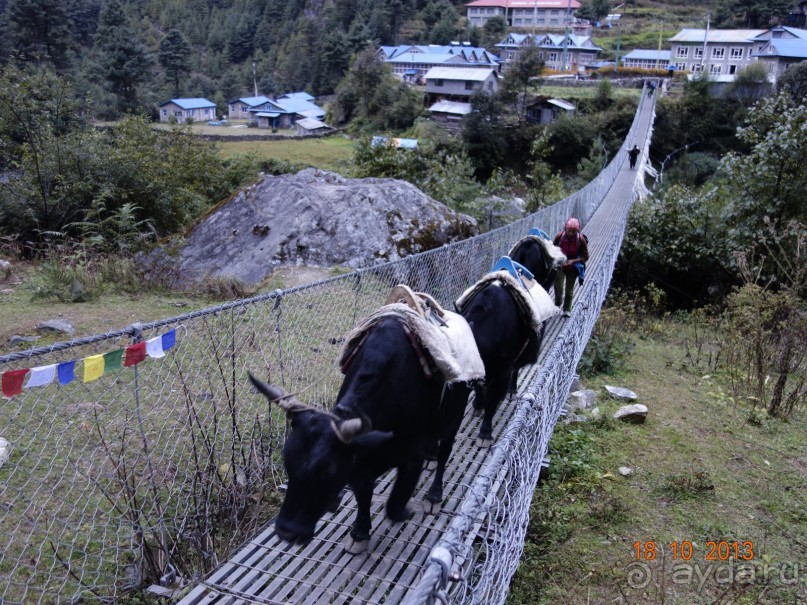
(484, 442)
(404, 515)
(432, 508)
(356, 547)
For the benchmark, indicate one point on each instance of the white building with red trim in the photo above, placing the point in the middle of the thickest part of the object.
(544, 14)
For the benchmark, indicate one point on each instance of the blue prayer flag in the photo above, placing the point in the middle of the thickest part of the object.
(169, 339)
(66, 372)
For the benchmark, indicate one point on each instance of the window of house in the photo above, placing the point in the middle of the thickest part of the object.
(438, 82)
(681, 66)
(165, 112)
(511, 55)
(178, 114)
(715, 69)
(736, 53)
(469, 85)
(682, 52)
(697, 52)
(718, 53)
(244, 108)
(553, 57)
(697, 68)
(553, 21)
(490, 85)
(732, 69)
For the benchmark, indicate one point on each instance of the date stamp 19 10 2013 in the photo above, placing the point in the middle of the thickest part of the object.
(714, 550)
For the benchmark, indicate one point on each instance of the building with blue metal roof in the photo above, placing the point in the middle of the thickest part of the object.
(185, 110)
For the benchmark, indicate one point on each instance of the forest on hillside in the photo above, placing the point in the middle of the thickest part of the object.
(131, 55)
(116, 190)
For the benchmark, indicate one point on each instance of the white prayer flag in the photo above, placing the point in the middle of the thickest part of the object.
(41, 376)
(154, 347)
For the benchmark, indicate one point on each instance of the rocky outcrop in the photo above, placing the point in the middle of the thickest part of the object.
(317, 218)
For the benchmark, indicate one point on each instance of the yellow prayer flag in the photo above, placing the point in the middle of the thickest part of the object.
(93, 367)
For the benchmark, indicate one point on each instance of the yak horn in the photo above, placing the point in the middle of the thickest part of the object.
(348, 429)
(288, 403)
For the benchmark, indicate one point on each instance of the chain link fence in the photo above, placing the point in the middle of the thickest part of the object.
(163, 468)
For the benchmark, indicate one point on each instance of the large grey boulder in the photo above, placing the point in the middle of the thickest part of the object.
(318, 218)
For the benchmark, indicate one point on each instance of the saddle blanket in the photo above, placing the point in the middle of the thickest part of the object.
(451, 347)
(535, 304)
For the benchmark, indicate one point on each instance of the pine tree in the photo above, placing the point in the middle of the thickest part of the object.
(40, 29)
(122, 59)
(174, 56)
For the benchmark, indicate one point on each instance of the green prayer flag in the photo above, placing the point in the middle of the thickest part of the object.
(113, 360)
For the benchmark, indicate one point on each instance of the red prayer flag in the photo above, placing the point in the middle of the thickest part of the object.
(134, 354)
(12, 382)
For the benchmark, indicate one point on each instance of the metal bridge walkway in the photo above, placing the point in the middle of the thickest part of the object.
(268, 571)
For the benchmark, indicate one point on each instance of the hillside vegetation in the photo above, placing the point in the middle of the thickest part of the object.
(712, 510)
(134, 54)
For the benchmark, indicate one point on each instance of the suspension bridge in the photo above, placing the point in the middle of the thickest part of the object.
(156, 472)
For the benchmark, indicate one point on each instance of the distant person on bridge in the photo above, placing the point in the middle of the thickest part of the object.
(651, 88)
(575, 246)
(632, 155)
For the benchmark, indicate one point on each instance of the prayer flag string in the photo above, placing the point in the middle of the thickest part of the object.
(94, 366)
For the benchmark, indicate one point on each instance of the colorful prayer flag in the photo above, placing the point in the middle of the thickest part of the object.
(134, 354)
(113, 360)
(169, 339)
(41, 376)
(93, 367)
(66, 372)
(11, 382)
(154, 347)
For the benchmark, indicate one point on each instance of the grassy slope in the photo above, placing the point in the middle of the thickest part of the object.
(328, 153)
(19, 314)
(644, 25)
(701, 472)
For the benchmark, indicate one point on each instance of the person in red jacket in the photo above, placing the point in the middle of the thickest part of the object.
(575, 246)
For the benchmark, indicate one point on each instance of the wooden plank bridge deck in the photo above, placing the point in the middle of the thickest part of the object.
(269, 571)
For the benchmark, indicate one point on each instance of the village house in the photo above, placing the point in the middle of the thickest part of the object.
(721, 54)
(187, 110)
(561, 52)
(646, 59)
(780, 48)
(458, 84)
(449, 113)
(276, 112)
(310, 126)
(411, 62)
(546, 110)
(546, 14)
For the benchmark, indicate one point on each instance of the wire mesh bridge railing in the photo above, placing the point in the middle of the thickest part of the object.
(125, 473)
